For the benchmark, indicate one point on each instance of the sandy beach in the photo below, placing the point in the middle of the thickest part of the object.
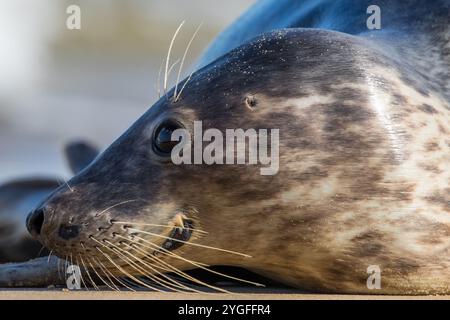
(264, 294)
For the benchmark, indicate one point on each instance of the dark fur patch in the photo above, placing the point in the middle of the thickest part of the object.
(441, 199)
(427, 109)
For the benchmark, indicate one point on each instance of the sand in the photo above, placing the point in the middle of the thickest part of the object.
(64, 294)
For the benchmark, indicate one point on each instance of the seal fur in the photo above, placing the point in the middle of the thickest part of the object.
(364, 164)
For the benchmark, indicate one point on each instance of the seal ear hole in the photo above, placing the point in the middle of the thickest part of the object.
(250, 102)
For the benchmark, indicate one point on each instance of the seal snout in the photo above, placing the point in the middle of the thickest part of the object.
(35, 221)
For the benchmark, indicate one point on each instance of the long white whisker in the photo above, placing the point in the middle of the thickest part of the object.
(144, 272)
(81, 274)
(189, 243)
(137, 247)
(116, 205)
(49, 256)
(117, 279)
(88, 273)
(157, 225)
(183, 59)
(184, 86)
(98, 275)
(120, 268)
(171, 282)
(168, 56)
(200, 266)
(66, 183)
(172, 66)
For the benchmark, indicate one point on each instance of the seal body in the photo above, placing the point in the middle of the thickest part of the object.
(364, 163)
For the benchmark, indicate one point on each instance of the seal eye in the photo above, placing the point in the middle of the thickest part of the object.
(162, 142)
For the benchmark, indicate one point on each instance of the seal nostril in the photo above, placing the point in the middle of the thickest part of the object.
(68, 232)
(35, 221)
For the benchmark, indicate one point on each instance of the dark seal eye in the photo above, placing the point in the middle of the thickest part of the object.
(162, 142)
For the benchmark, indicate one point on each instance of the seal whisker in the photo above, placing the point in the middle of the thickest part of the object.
(59, 267)
(183, 59)
(98, 275)
(40, 251)
(176, 283)
(116, 278)
(81, 274)
(168, 253)
(135, 246)
(172, 66)
(166, 73)
(205, 268)
(190, 243)
(66, 264)
(106, 273)
(156, 225)
(136, 267)
(49, 256)
(87, 272)
(184, 86)
(161, 250)
(154, 278)
(120, 268)
(113, 206)
(147, 255)
(133, 284)
(63, 181)
(104, 270)
(144, 272)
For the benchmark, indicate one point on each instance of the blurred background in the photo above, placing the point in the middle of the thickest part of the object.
(57, 84)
